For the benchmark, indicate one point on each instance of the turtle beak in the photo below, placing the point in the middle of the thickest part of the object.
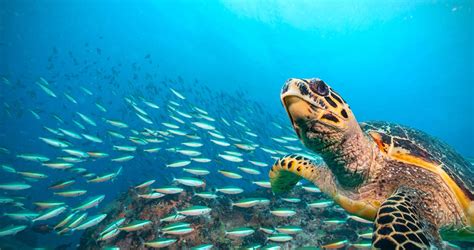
(298, 110)
(292, 106)
(298, 106)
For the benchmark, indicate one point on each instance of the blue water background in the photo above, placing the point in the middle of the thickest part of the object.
(409, 62)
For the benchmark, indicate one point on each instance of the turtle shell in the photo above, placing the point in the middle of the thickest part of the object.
(420, 149)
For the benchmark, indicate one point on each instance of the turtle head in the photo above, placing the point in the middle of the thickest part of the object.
(318, 114)
(325, 124)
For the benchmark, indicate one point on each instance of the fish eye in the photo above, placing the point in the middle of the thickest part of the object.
(319, 87)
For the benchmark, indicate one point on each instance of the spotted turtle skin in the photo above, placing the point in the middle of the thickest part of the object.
(417, 189)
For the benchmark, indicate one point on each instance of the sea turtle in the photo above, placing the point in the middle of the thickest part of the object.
(415, 188)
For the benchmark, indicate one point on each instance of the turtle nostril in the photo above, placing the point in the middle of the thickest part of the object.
(285, 86)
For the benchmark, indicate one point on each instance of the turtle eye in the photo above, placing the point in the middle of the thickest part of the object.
(319, 87)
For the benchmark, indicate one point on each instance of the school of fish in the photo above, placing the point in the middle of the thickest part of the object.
(170, 135)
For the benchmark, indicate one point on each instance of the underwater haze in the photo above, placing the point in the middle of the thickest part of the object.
(102, 102)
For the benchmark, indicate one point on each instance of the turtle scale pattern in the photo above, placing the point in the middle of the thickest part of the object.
(424, 146)
(324, 126)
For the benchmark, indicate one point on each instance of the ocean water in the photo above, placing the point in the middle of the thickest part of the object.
(74, 65)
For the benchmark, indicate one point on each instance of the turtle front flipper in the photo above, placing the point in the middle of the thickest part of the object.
(399, 224)
(290, 169)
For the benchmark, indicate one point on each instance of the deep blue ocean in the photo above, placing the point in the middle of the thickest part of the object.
(407, 62)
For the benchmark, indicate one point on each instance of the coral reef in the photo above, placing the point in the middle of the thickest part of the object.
(211, 228)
